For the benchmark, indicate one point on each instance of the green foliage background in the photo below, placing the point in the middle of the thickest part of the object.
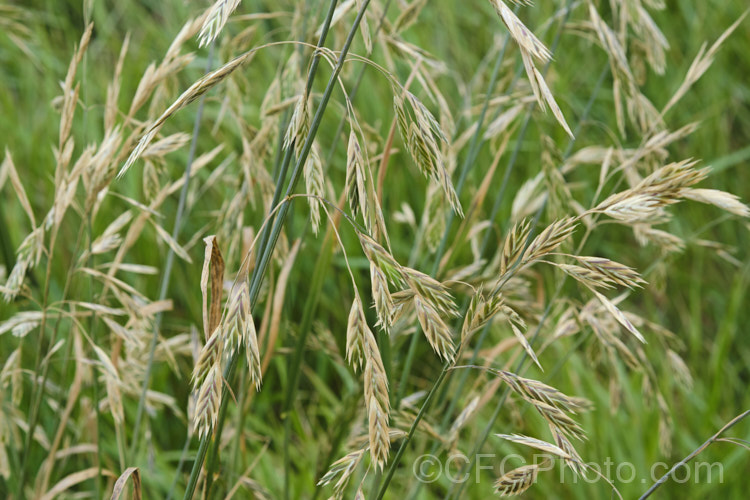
(697, 294)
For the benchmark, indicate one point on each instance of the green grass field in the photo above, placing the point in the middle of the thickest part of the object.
(124, 345)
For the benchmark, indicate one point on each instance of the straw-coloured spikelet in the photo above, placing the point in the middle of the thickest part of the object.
(481, 310)
(423, 138)
(299, 124)
(644, 202)
(200, 87)
(548, 240)
(525, 39)
(544, 95)
(378, 405)
(27, 256)
(721, 199)
(216, 18)
(431, 290)
(435, 329)
(516, 481)
(355, 176)
(314, 184)
(207, 383)
(382, 259)
(361, 347)
(551, 404)
(535, 443)
(607, 271)
(239, 329)
(342, 468)
(381, 297)
(575, 462)
(531, 48)
(432, 301)
(517, 324)
(355, 334)
(515, 242)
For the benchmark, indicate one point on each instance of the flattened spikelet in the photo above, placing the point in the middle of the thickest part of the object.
(535, 443)
(216, 18)
(355, 176)
(200, 87)
(381, 297)
(516, 481)
(525, 39)
(314, 184)
(480, 311)
(436, 331)
(342, 468)
(207, 384)
(423, 138)
(355, 340)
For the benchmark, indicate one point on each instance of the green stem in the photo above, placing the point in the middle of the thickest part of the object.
(278, 223)
(38, 387)
(484, 246)
(545, 315)
(295, 362)
(168, 266)
(321, 267)
(476, 141)
(290, 150)
(412, 429)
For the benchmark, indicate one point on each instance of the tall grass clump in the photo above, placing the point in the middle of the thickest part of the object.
(288, 249)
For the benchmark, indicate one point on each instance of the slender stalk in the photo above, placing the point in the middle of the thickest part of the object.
(92, 334)
(166, 276)
(321, 268)
(476, 141)
(548, 310)
(695, 453)
(38, 388)
(267, 231)
(446, 367)
(295, 362)
(278, 223)
(290, 150)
